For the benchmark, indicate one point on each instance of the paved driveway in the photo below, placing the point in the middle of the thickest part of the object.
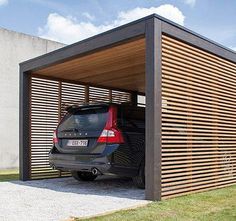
(59, 199)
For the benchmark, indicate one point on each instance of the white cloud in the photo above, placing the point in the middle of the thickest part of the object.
(190, 2)
(168, 11)
(3, 2)
(233, 48)
(88, 16)
(69, 29)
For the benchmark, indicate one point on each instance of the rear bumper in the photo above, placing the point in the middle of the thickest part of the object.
(73, 162)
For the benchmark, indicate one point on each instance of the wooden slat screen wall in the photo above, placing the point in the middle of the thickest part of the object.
(48, 101)
(198, 120)
(141, 101)
(44, 119)
(71, 94)
(99, 95)
(120, 97)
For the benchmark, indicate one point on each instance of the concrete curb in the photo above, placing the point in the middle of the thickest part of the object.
(110, 212)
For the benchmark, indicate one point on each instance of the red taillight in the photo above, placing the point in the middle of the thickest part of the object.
(55, 139)
(111, 134)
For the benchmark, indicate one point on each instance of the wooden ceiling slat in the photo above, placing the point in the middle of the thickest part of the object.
(121, 67)
(100, 56)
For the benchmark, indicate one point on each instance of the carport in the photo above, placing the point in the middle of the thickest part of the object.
(189, 84)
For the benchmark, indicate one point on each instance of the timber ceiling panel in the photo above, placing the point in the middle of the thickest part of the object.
(121, 66)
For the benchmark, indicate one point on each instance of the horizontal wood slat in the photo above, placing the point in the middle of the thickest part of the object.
(44, 117)
(198, 120)
(49, 98)
(119, 66)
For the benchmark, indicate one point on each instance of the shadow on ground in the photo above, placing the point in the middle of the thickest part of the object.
(102, 186)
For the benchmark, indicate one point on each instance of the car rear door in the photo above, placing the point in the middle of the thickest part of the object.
(132, 124)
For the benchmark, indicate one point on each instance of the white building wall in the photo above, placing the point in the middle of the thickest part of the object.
(14, 48)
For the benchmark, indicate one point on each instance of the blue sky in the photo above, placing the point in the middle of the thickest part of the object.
(72, 20)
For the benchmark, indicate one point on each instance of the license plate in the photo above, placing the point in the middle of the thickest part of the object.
(80, 143)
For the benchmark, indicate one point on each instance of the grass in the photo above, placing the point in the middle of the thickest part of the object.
(216, 205)
(8, 175)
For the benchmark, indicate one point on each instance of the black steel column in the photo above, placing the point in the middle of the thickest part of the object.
(24, 126)
(153, 109)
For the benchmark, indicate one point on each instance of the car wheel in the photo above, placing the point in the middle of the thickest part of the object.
(83, 176)
(139, 180)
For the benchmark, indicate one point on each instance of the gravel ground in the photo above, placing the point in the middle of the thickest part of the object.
(59, 199)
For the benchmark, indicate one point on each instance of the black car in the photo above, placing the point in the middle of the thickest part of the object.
(101, 139)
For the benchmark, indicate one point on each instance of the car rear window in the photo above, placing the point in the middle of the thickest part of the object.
(86, 119)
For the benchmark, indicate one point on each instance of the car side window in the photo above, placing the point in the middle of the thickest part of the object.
(132, 118)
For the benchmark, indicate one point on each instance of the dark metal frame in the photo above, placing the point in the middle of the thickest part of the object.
(153, 110)
(151, 27)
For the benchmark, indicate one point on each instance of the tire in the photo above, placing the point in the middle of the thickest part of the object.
(83, 176)
(139, 180)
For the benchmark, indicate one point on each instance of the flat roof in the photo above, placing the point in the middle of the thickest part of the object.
(226, 52)
(115, 58)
